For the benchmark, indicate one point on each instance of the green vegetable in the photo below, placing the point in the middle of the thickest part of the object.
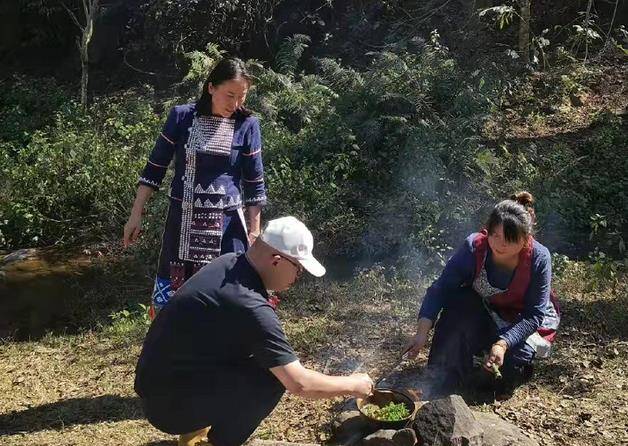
(390, 412)
(496, 371)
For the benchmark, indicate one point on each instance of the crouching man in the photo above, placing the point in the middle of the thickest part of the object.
(216, 361)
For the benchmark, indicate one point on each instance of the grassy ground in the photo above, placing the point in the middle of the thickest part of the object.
(78, 390)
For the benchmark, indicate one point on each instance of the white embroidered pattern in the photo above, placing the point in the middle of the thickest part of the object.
(255, 199)
(148, 181)
(221, 203)
(211, 190)
(212, 135)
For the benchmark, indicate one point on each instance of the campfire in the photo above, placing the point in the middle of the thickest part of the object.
(397, 415)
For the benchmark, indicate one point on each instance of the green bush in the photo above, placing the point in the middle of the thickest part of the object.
(375, 159)
(73, 180)
(387, 160)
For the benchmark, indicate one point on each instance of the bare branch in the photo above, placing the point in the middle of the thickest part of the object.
(610, 28)
(586, 30)
(72, 16)
(128, 64)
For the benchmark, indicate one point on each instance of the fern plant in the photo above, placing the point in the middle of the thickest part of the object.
(290, 53)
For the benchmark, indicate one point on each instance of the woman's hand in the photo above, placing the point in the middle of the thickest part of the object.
(496, 355)
(132, 230)
(133, 227)
(415, 345)
(418, 341)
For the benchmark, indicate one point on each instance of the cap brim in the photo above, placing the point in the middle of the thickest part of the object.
(312, 266)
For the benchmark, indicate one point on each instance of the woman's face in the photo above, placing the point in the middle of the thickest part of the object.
(502, 248)
(228, 96)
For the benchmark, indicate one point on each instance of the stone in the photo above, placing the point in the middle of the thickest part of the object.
(277, 443)
(576, 100)
(405, 437)
(499, 432)
(350, 427)
(448, 422)
(382, 437)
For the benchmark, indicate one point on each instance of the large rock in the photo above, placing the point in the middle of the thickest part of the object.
(448, 422)
(383, 437)
(498, 432)
(405, 437)
(350, 427)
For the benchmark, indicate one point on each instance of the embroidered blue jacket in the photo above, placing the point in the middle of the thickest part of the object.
(235, 174)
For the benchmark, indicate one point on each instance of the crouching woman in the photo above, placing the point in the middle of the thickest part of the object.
(493, 296)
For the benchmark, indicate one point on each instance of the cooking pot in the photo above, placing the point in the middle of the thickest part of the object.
(381, 397)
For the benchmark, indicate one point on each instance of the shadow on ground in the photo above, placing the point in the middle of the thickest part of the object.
(65, 292)
(64, 413)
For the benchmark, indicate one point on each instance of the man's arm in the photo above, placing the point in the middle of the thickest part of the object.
(307, 383)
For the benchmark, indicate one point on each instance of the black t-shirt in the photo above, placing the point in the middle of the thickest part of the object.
(218, 322)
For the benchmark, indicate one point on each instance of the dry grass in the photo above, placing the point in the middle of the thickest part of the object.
(78, 390)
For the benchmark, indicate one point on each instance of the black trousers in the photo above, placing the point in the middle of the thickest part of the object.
(234, 408)
(463, 330)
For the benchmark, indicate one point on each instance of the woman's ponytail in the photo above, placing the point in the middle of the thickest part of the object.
(525, 199)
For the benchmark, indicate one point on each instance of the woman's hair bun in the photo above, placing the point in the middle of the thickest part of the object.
(524, 198)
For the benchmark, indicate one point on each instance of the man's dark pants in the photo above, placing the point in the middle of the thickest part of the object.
(233, 408)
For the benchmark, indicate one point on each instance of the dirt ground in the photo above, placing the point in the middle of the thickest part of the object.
(78, 389)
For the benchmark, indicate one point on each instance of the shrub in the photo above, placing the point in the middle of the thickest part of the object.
(73, 179)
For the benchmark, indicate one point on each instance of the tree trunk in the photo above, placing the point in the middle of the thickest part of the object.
(524, 30)
(84, 76)
(587, 19)
(90, 10)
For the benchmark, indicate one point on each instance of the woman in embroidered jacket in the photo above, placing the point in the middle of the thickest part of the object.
(495, 296)
(216, 145)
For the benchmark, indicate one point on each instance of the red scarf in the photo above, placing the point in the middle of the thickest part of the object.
(510, 303)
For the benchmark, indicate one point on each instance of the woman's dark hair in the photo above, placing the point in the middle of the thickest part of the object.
(227, 69)
(516, 215)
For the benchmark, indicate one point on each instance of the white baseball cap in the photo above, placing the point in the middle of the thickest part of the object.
(292, 238)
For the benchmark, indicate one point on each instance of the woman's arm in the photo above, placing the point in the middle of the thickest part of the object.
(536, 298)
(151, 177)
(253, 185)
(133, 226)
(162, 153)
(458, 271)
(254, 214)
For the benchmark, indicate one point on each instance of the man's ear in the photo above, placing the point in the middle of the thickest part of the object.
(210, 88)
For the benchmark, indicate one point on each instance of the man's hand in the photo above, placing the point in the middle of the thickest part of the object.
(363, 385)
(496, 355)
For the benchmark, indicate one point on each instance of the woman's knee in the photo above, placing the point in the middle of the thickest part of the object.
(463, 314)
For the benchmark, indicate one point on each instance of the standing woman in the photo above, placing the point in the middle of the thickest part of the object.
(217, 150)
(493, 296)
